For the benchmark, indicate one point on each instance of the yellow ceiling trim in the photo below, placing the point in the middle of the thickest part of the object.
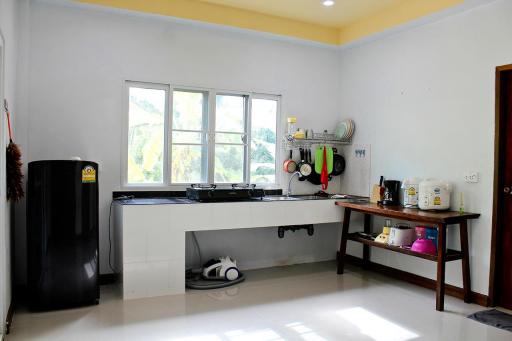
(406, 11)
(223, 15)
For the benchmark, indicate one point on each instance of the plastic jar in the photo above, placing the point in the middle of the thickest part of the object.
(292, 120)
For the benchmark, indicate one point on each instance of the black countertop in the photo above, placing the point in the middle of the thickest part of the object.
(268, 198)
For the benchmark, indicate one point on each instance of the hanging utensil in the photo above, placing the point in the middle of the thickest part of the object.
(13, 164)
(304, 167)
(314, 177)
(289, 165)
(324, 176)
(338, 166)
(321, 152)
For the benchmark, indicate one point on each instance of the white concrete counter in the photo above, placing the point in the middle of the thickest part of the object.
(152, 249)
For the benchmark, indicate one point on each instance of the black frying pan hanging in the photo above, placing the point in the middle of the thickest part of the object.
(338, 163)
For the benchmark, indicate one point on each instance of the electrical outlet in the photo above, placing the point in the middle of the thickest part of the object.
(471, 177)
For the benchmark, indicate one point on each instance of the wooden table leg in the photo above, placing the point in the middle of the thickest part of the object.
(441, 265)
(366, 248)
(466, 278)
(343, 243)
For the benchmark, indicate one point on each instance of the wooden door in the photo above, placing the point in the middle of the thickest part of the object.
(503, 269)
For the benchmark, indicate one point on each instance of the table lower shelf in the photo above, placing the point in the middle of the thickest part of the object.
(451, 255)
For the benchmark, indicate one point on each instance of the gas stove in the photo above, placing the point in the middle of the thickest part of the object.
(237, 192)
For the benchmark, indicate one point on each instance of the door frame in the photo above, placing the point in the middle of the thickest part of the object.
(3, 202)
(499, 140)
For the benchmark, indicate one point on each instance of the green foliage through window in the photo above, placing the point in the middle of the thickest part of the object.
(188, 132)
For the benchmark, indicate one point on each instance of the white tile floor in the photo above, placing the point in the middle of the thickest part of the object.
(303, 302)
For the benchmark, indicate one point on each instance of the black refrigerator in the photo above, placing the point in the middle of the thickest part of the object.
(62, 234)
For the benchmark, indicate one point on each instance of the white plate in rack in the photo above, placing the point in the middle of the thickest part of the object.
(351, 129)
(341, 130)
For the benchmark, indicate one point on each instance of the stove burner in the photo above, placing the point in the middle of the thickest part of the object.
(237, 192)
(203, 186)
(238, 186)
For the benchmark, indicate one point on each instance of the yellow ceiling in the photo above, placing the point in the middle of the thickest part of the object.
(341, 14)
(346, 21)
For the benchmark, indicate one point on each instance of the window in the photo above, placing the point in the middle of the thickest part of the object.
(146, 131)
(230, 138)
(188, 139)
(213, 136)
(263, 140)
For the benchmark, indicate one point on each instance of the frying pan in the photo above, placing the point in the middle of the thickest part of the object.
(304, 167)
(338, 166)
(289, 165)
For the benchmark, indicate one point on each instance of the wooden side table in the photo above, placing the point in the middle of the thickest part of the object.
(441, 220)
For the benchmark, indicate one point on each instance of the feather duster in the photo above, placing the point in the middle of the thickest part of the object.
(13, 161)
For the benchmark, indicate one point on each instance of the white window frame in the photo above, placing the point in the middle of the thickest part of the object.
(209, 128)
(124, 158)
(205, 130)
(277, 157)
(246, 133)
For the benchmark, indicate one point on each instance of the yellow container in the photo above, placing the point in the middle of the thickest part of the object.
(299, 134)
(291, 125)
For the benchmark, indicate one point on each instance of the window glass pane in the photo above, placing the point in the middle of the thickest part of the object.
(229, 114)
(229, 138)
(188, 114)
(186, 164)
(263, 141)
(229, 164)
(187, 111)
(186, 137)
(146, 114)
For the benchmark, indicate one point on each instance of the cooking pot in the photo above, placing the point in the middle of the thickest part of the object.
(289, 165)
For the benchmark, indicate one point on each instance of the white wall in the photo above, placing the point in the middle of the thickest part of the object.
(9, 14)
(79, 58)
(424, 100)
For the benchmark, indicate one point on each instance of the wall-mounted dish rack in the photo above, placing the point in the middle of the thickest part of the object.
(289, 142)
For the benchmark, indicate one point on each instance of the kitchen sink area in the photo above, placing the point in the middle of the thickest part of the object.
(292, 197)
(266, 198)
(346, 198)
(170, 219)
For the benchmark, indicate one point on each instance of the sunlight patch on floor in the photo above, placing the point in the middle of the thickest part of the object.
(376, 327)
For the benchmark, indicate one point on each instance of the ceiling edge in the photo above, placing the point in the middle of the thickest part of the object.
(425, 20)
(394, 16)
(228, 16)
(337, 41)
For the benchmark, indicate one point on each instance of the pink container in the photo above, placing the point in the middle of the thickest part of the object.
(424, 246)
(421, 232)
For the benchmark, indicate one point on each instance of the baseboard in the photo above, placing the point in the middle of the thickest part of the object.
(9, 317)
(424, 282)
(108, 278)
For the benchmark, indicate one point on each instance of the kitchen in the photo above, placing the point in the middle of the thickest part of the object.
(421, 98)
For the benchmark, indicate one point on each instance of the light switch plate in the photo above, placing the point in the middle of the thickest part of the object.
(356, 178)
(471, 177)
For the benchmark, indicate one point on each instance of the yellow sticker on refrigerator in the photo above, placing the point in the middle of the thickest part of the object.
(88, 174)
